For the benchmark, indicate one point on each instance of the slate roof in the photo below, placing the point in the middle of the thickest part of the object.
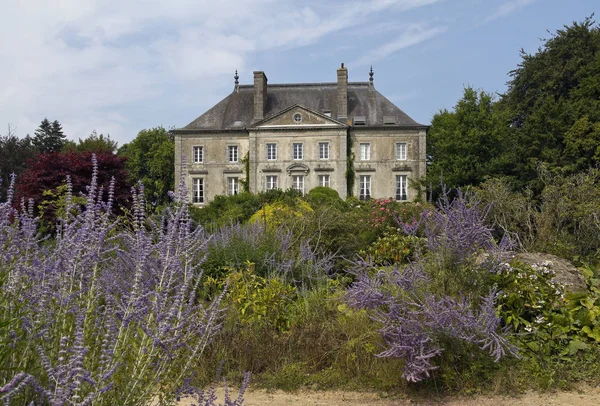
(363, 100)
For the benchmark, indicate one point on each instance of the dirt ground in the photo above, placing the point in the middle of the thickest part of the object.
(583, 396)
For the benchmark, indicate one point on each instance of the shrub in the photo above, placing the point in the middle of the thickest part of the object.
(107, 315)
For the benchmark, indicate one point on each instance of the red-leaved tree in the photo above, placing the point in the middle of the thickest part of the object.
(47, 172)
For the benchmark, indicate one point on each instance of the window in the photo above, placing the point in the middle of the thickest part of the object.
(297, 118)
(323, 150)
(365, 151)
(401, 187)
(298, 183)
(327, 113)
(198, 155)
(233, 186)
(233, 153)
(297, 152)
(365, 187)
(271, 182)
(271, 152)
(198, 190)
(324, 180)
(360, 120)
(401, 151)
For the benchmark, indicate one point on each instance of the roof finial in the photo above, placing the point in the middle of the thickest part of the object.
(371, 75)
(236, 77)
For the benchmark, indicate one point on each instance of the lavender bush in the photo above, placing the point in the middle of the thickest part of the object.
(439, 298)
(108, 312)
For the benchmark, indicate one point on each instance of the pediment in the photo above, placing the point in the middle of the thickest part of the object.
(297, 167)
(298, 116)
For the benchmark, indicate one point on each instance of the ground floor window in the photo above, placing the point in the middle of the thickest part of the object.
(198, 190)
(271, 182)
(324, 180)
(365, 187)
(298, 183)
(401, 187)
(233, 186)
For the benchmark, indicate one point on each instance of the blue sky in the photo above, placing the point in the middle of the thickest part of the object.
(119, 66)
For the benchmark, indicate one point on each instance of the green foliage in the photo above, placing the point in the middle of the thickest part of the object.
(53, 206)
(563, 220)
(548, 322)
(549, 94)
(350, 158)
(93, 143)
(463, 144)
(294, 214)
(324, 196)
(151, 160)
(260, 302)
(394, 247)
(49, 136)
(14, 153)
(225, 210)
(246, 181)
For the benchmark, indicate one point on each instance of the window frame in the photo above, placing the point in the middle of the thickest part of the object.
(401, 151)
(200, 154)
(198, 190)
(297, 151)
(271, 182)
(235, 150)
(273, 152)
(365, 151)
(401, 183)
(324, 180)
(233, 185)
(298, 185)
(365, 187)
(323, 150)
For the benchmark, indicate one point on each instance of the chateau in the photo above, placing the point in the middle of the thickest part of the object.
(344, 135)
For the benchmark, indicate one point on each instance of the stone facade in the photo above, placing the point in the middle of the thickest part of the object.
(297, 136)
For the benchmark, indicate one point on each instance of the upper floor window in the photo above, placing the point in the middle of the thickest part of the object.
(198, 154)
(323, 150)
(198, 190)
(401, 151)
(365, 151)
(233, 153)
(297, 151)
(271, 152)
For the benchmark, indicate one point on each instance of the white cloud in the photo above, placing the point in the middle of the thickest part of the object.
(506, 8)
(85, 62)
(411, 35)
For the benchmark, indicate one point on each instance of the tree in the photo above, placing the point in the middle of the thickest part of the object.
(463, 144)
(49, 136)
(548, 94)
(14, 153)
(93, 143)
(151, 160)
(49, 171)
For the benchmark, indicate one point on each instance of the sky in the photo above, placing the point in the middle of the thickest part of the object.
(120, 66)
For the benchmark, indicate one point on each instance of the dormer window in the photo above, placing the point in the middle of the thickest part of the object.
(360, 120)
(327, 113)
(389, 120)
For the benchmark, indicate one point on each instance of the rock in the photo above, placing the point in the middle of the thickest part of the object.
(566, 273)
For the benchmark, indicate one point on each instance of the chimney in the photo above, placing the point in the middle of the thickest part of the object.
(260, 95)
(342, 93)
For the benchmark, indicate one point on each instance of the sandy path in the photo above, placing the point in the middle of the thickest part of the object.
(584, 396)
